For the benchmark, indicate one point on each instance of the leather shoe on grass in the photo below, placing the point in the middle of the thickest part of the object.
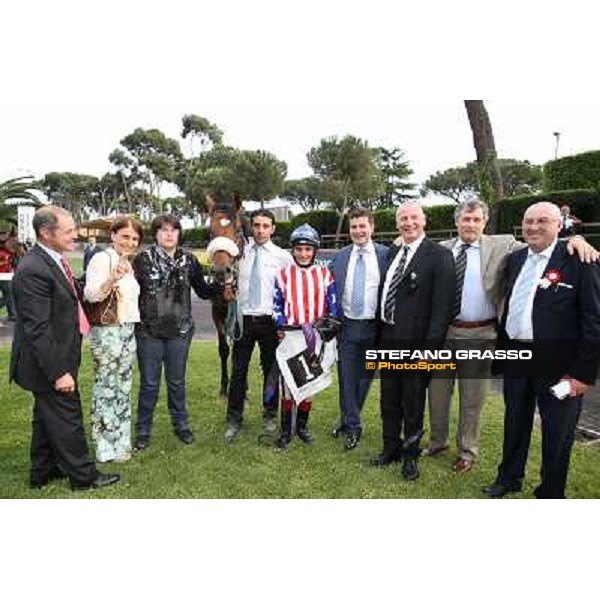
(102, 480)
(54, 474)
(141, 443)
(185, 435)
(462, 465)
(338, 430)
(410, 470)
(432, 450)
(497, 490)
(383, 459)
(352, 439)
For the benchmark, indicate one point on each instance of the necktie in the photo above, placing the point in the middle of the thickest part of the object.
(255, 282)
(520, 294)
(390, 300)
(84, 325)
(461, 267)
(357, 300)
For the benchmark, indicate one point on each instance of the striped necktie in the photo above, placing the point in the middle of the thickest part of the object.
(461, 267)
(390, 300)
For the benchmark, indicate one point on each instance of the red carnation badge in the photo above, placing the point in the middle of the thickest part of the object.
(554, 277)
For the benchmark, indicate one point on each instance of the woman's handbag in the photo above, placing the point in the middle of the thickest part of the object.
(105, 311)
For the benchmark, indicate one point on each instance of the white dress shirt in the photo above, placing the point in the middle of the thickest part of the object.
(272, 259)
(371, 282)
(525, 321)
(474, 305)
(412, 248)
(128, 289)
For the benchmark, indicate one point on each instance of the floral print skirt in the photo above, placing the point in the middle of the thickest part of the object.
(113, 351)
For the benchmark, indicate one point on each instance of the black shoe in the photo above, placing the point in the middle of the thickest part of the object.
(102, 480)
(55, 473)
(283, 441)
(352, 439)
(383, 459)
(338, 430)
(410, 470)
(498, 490)
(304, 434)
(185, 435)
(141, 443)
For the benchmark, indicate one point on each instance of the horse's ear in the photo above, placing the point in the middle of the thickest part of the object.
(237, 200)
(210, 205)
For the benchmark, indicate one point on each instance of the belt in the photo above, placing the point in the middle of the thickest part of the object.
(472, 324)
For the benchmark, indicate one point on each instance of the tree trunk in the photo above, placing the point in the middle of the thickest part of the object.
(338, 231)
(485, 148)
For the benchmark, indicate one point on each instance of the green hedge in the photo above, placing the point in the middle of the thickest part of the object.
(195, 237)
(282, 233)
(580, 171)
(324, 221)
(584, 204)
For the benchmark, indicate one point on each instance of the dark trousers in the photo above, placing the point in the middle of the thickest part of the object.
(559, 418)
(402, 408)
(7, 298)
(152, 354)
(259, 329)
(354, 336)
(58, 437)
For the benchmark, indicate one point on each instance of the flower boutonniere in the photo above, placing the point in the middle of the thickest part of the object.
(552, 277)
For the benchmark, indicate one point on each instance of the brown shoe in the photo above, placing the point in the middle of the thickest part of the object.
(462, 465)
(432, 450)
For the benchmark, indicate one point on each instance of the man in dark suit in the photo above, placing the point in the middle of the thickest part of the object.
(90, 249)
(357, 270)
(552, 309)
(46, 354)
(417, 300)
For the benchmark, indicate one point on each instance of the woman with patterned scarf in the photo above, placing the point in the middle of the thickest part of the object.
(166, 274)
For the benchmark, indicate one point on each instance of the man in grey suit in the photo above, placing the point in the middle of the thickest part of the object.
(357, 270)
(481, 267)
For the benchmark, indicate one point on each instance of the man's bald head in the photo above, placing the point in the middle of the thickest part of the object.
(541, 224)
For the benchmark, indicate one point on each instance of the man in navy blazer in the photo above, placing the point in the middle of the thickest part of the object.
(553, 310)
(357, 271)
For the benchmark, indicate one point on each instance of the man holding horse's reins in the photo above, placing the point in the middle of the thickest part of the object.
(262, 258)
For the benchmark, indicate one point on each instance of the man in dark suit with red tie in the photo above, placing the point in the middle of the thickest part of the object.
(46, 355)
(553, 310)
(417, 301)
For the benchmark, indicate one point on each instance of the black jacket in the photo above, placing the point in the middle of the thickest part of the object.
(565, 318)
(165, 302)
(46, 343)
(424, 298)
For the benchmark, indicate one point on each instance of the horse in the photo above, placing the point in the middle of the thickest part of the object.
(226, 248)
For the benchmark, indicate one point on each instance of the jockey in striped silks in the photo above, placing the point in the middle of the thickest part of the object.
(304, 293)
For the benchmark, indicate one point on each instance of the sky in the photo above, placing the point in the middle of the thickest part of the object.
(280, 76)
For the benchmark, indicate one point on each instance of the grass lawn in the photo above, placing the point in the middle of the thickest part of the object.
(209, 469)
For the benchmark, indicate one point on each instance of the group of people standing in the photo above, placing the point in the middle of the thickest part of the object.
(433, 295)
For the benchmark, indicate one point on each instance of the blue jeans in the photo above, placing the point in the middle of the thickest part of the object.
(152, 353)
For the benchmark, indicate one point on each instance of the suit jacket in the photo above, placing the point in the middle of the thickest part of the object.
(46, 343)
(425, 296)
(494, 252)
(340, 268)
(565, 318)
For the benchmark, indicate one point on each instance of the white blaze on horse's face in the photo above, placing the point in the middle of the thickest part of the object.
(224, 222)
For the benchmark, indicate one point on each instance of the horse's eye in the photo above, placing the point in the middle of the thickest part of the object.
(224, 222)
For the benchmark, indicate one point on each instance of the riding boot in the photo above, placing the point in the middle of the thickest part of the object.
(301, 429)
(285, 434)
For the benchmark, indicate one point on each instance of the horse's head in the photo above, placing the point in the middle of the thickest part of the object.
(227, 240)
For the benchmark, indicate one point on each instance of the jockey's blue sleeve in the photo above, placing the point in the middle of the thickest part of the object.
(331, 297)
(278, 307)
